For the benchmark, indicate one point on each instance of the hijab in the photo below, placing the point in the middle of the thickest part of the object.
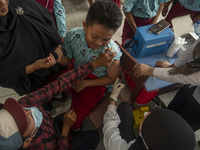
(164, 129)
(24, 39)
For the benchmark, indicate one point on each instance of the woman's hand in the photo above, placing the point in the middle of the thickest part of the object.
(80, 86)
(143, 70)
(163, 64)
(46, 62)
(41, 64)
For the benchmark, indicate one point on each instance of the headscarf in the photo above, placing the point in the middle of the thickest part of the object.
(23, 40)
(164, 129)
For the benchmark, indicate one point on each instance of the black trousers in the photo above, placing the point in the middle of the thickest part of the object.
(86, 140)
(187, 106)
(126, 126)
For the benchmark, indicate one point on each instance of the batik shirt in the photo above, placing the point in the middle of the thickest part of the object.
(75, 47)
(193, 5)
(59, 12)
(143, 8)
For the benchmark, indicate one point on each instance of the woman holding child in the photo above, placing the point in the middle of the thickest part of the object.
(27, 36)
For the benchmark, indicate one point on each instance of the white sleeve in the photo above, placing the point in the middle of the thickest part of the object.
(112, 138)
(163, 74)
(186, 55)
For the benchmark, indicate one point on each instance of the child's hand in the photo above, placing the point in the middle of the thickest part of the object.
(69, 118)
(80, 86)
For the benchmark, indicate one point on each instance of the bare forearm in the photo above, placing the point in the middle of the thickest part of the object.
(100, 81)
(64, 61)
(65, 131)
(197, 17)
(159, 11)
(167, 4)
(31, 68)
(130, 20)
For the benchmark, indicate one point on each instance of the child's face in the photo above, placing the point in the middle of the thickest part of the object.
(97, 35)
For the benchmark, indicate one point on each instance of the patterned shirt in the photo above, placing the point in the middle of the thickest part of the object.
(76, 47)
(193, 5)
(143, 8)
(45, 94)
(59, 12)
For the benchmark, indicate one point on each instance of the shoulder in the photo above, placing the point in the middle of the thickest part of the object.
(76, 32)
(114, 45)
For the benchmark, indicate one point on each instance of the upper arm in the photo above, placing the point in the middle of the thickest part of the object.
(113, 70)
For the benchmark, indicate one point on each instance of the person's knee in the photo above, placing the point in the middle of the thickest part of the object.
(124, 107)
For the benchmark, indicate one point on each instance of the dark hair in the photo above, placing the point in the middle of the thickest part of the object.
(106, 13)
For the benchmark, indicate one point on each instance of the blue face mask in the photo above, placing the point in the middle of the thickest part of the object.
(37, 115)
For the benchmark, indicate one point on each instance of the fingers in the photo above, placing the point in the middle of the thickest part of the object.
(72, 114)
(108, 50)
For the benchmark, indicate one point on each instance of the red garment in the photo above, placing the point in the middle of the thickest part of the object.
(128, 32)
(45, 94)
(85, 100)
(48, 4)
(178, 10)
(143, 96)
(118, 2)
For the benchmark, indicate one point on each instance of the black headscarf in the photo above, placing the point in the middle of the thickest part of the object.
(23, 40)
(164, 129)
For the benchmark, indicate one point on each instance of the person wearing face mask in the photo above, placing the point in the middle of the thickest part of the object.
(161, 129)
(25, 124)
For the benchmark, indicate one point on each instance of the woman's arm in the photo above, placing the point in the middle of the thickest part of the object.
(41, 64)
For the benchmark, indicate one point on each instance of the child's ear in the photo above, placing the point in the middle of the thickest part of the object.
(84, 26)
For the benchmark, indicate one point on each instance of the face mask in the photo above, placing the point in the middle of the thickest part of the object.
(37, 115)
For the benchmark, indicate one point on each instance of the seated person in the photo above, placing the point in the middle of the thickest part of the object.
(27, 35)
(187, 101)
(161, 129)
(84, 45)
(58, 14)
(25, 124)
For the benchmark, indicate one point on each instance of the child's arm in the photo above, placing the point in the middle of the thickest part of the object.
(131, 21)
(158, 13)
(62, 60)
(41, 64)
(59, 12)
(112, 74)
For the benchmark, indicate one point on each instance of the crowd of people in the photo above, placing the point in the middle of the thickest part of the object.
(41, 59)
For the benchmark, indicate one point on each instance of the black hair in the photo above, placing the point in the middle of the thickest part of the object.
(105, 13)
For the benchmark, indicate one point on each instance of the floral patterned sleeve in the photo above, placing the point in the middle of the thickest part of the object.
(59, 12)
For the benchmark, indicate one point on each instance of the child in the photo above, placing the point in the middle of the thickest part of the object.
(84, 45)
(181, 8)
(118, 2)
(140, 13)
